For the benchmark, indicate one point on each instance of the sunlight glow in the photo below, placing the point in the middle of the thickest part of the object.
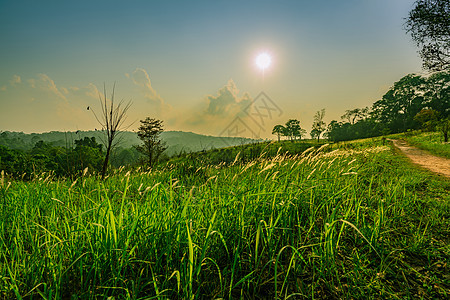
(263, 61)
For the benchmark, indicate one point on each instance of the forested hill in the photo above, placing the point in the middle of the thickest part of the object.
(177, 141)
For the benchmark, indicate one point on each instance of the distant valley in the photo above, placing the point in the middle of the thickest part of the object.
(177, 141)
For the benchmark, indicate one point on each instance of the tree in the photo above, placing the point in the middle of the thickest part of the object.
(112, 120)
(397, 108)
(437, 93)
(87, 154)
(292, 129)
(302, 133)
(444, 127)
(428, 118)
(315, 134)
(152, 146)
(352, 115)
(318, 125)
(279, 130)
(88, 142)
(429, 25)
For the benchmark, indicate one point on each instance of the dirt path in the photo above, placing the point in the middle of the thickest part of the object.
(424, 159)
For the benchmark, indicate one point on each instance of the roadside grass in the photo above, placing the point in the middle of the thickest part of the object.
(342, 221)
(429, 141)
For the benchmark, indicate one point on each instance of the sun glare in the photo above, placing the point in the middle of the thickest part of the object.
(263, 61)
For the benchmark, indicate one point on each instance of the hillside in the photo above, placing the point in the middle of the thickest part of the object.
(177, 141)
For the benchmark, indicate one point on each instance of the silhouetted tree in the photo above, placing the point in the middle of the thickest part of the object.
(279, 130)
(112, 119)
(352, 115)
(152, 146)
(429, 25)
(292, 129)
(318, 125)
(397, 108)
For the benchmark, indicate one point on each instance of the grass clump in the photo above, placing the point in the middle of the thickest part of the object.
(330, 222)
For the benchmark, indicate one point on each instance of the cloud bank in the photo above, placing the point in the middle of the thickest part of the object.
(217, 111)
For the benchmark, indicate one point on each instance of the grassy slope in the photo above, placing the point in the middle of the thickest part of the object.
(354, 222)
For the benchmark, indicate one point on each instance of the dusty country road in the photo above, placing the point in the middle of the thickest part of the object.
(424, 159)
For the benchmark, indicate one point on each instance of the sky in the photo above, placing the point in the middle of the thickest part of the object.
(192, 63)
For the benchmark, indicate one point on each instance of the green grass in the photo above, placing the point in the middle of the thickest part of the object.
(432, 142)
(429, 141)
(348, 222)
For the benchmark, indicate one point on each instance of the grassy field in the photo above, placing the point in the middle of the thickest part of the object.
(347, 221)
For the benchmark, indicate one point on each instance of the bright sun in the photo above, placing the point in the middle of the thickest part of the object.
(263, 61)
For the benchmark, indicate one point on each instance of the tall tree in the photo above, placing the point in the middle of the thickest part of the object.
(112, 120)
(352, 115)
(429, 25)
(318, 125)
(279, 130)
(437, 93)
(398, 107)
(152, 146)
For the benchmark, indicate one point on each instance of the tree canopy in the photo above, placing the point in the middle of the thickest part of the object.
(429, 25)
(413, 102)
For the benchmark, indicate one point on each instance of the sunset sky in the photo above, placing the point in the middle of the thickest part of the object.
(192, 63)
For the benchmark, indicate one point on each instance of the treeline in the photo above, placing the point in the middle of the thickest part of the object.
(62, 161)
(177, 141)
(414, 102)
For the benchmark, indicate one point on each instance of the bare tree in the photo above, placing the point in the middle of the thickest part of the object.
(112, 119)
(318, 125)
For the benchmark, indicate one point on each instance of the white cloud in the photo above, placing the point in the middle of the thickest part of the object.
(140, 77)
(227, 102)
(47, 84)
(145, 98)
(41, 105)
(217, 113)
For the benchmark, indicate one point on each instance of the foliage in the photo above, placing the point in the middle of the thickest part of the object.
(149, 133)
(60, 161)
(177, 141)
(414, 101)
(353, 115)
(444, 128)
(125, 157)
(400, 104)
(279, 130)
(293, 129)
(428, 118)
(429, 25)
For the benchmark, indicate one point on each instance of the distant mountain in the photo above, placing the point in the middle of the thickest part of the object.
(177, 141)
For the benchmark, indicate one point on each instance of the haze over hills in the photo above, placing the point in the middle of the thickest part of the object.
(177, 141)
